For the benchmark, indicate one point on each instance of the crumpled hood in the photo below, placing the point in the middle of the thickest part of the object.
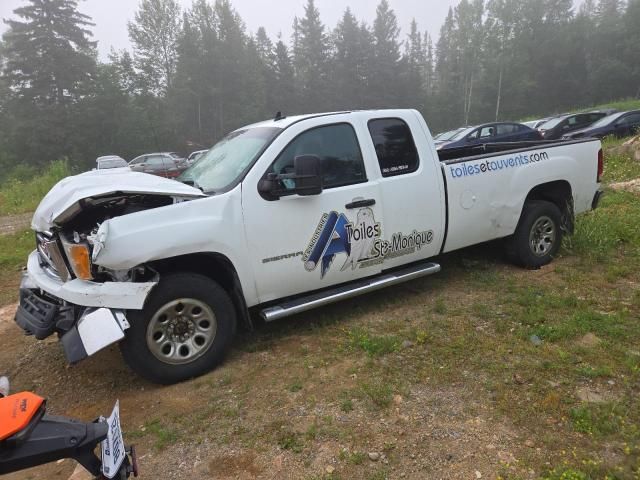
(63, 200)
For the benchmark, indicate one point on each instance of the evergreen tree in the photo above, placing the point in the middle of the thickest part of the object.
(385, 68)
(311, 59)
(348, 75)
(154, 35)
(416, 64)
(49, 66)
(283, 85)
(631, 52)
(49, 57)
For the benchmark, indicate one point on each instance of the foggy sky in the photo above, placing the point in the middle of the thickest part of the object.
(111, 16)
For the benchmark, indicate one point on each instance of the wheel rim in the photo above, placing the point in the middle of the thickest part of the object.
(181, 331)
(542, 236)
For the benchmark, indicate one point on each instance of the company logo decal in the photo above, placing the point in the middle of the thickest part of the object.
(360, 241)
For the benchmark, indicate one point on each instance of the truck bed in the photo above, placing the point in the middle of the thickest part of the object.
(487, 149)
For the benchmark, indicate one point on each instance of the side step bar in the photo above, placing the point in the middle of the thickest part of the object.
(315, 300)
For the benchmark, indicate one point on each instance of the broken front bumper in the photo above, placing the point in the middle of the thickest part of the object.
(121, 295)
(87, 316)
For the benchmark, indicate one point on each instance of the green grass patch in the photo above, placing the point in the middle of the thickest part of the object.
(599, 420)
(373, 345)
(440, 307)
(379, 393)
(292, 441)
(580, 323)
(164, 435)
(296, 386)
(15, 248)
(619, 164)
(565, 474)
(22, 193)
(614, 226)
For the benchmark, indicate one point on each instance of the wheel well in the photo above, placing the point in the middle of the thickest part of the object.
(559, 193)
(219, 269)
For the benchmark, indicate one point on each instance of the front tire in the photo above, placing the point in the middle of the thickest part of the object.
(539, 235)
(184, 330)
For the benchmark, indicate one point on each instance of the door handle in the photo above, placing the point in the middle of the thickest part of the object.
(360, 204)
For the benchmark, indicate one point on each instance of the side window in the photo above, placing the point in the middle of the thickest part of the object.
(395, 148)
(632, 119)
(473, 135)
(155, 161)
(594, 117)
(506, 129)
(339, 152)
(573, 121)
(138, 160)
(487, 132)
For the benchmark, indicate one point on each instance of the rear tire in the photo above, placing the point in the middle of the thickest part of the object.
(538, 236)
(184, 330)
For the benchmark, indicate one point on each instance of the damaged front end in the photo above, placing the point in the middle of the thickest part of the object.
(64, 291)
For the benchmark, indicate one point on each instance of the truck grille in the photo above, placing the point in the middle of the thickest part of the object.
(51, 258)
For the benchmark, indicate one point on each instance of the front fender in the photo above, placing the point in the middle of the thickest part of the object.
(212, 224)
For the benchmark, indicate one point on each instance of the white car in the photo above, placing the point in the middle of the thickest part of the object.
(110, 161)
(281, 217)
(195, 156)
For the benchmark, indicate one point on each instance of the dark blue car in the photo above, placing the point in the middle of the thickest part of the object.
(619, 125)
(491, 133)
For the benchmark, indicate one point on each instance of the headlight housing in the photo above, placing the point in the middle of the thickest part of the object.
(79, 257)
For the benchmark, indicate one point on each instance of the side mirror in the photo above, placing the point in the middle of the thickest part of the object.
(308, 176)
(305, 181)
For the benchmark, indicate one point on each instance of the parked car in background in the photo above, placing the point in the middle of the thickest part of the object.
(110, 161)
(491, 133)
(195, 156)
(447, 136)
(162, 164)
(536, 123)
(180, 160)
(560, 126)
(622, 124)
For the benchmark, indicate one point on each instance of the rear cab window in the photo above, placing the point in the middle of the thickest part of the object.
(395, 148)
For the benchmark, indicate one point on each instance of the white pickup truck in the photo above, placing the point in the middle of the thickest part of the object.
(278, 218)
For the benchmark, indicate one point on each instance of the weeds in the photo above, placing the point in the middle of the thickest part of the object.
(164, 435)
(379, 393)
(373, 345)
(19, 195)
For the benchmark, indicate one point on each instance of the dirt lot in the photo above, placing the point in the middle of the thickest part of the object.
(433, 379)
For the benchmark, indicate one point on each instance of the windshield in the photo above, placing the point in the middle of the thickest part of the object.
(461, 134)
(228, 160)
(112, 163)
(606, 120)
(551, 123)
(446, 136)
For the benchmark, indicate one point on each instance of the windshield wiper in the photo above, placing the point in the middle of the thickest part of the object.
(193, 183)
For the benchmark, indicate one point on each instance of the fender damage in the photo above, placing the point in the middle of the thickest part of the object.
(86, 306)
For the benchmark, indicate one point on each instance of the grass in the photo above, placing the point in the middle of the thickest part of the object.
(14, 250)
(22, 193)
(164, 435)
(619, 165)
(373, 345)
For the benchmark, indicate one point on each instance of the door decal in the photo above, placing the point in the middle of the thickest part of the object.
(359, 240)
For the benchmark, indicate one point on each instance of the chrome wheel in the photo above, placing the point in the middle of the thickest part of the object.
(181, 331)
(542, 236)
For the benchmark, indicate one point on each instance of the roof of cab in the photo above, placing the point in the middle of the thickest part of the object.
(285, 122)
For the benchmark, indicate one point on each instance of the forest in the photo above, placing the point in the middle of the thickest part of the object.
(193, 75)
